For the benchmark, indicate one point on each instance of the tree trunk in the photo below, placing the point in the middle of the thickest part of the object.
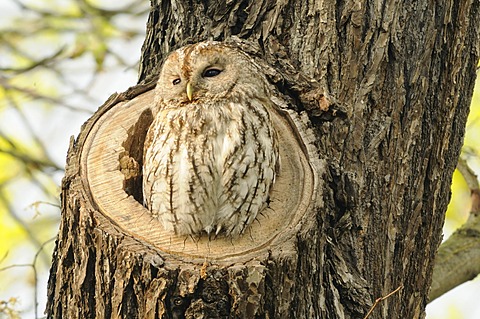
(372, 103)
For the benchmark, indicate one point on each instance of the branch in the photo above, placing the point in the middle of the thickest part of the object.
(378, 300)
(458, 258)
(35, 272)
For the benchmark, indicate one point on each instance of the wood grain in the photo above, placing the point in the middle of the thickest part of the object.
(380, 91)
(290, 199)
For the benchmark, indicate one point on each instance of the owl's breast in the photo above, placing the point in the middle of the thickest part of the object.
(210, 161)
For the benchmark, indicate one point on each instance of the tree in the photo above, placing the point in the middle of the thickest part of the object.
(368, 86)
(54, 60)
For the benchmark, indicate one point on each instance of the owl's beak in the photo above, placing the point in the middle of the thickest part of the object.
(189, 91)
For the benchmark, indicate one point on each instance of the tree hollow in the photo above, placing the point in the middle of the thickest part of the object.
(111, 168)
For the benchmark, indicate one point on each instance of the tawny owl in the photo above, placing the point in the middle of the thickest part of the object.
(211, 152)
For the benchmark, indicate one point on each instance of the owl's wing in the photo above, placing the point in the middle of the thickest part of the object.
(179, 179)
(250, 159)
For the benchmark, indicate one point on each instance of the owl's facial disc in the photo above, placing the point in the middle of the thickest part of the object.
(200, 73)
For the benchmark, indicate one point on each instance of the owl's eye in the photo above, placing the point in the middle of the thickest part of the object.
(208, 73)
(176, 81)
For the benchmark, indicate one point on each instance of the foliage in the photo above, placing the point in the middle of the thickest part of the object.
(460, 204)
(58, 62)
(55, 57)
(7, 309)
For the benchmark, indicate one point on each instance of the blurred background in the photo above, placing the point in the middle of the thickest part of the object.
(59, 61)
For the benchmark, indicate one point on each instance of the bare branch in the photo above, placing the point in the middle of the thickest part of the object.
(458, 258)
(378, 300)
(468, 174)
(35, 272)
(42, 62)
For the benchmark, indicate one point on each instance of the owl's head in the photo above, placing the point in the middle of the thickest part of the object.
(208, 71)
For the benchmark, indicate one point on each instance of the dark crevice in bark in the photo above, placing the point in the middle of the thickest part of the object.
(88, 286)
(399, 76)
(129, 297)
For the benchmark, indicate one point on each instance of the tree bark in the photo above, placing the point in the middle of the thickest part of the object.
(372, 103)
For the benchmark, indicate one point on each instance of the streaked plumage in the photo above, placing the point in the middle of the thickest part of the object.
(211, 151)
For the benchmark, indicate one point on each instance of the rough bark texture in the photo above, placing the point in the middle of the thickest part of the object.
(399, 75)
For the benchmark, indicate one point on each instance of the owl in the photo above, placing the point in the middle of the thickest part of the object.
(211, 152)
